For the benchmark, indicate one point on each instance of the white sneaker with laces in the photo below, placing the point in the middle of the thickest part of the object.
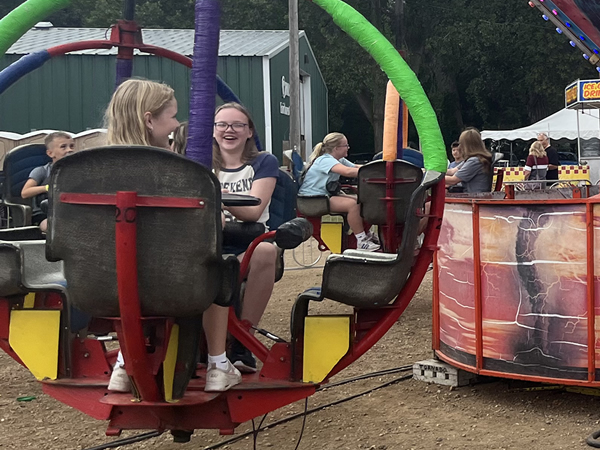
(373, 238)
(219, 380)
(119, 380)
(367, 245)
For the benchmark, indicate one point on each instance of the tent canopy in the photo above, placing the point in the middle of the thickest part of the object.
(562, 124)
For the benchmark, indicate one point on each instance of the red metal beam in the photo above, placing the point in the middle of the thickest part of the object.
(591, 294)
(132, 339)
(477, 288)
(141, 200)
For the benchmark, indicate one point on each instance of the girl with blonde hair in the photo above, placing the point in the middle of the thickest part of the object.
(143, 112)
(536, 166)
(475, 174)
(326, 164)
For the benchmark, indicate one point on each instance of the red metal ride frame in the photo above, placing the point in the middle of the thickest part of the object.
(132, 342)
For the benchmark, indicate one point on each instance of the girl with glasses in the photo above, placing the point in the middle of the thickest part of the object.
(242, 169)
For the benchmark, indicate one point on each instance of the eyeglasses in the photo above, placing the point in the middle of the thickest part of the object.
(236, 126)
(345, 146)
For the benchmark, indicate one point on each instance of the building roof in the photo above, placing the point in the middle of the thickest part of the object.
(232, 42)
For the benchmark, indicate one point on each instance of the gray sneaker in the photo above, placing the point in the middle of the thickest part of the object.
(367, 245)
(218, 380)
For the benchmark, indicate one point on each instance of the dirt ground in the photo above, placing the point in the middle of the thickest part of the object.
(407, 415)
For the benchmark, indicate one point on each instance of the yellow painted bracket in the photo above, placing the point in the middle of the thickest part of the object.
(331, 233)
(326, 341)
(34, 336)
(170, 362)
(29, 301)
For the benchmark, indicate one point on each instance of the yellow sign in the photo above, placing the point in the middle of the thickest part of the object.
(590, 91)
(571, 94)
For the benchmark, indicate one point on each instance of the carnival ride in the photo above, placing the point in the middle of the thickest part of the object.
(95, 276)
(516, 274)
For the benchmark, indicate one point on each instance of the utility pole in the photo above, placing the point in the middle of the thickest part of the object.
(399, 19)
(294, 78)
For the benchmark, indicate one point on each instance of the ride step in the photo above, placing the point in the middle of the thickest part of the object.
(439, 372)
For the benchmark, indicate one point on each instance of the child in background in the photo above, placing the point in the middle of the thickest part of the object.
(58, 145)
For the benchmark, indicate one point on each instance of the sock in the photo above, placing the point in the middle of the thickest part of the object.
(361, 236)
(220, 361)
(120, 361)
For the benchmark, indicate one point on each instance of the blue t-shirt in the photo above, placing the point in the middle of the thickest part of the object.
(239, 181)
(319, 174)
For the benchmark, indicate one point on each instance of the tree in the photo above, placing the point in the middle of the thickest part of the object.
(491, 64)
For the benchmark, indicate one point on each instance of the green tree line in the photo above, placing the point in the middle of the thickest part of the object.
(490, 64)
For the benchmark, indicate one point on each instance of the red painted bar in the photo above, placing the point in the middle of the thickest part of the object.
(477, 288)
(589, 224)
(132, 339)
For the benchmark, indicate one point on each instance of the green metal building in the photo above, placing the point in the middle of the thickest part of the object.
(71, 92)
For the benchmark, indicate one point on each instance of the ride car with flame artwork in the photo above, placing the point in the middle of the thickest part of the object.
(531, 272)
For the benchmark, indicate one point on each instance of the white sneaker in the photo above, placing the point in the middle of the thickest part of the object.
(219, 380)
(373, 238)
(367, 245)
(119, 380)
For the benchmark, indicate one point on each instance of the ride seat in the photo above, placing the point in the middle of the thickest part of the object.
(24, 265)
(18, 164)
(283, 200)
(372, 191)
(181, 271)
(366, 279)
(281, 210)
(313, 206)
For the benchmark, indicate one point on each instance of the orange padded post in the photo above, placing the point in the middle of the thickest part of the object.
(390, 125)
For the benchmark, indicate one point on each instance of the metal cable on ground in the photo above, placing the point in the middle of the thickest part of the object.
(127, 441)
(303, 424)
(310, 411)
(592, 439)
(365, 377)
(152, 434)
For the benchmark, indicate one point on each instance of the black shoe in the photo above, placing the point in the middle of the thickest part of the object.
(242, 358)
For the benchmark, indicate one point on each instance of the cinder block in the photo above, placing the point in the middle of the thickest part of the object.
(438, 372)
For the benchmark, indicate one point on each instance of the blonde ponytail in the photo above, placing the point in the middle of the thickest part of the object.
(317, 151)
(331, 141)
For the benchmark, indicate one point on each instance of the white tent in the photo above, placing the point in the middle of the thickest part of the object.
(562, 124)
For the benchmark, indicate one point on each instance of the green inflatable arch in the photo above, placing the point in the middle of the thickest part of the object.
(16, 23)
(25, 16)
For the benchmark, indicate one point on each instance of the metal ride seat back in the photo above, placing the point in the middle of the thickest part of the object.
(179, 264)
(313, 208)
(18, 164)
(349, 278)
(24, 265)
(367, 280)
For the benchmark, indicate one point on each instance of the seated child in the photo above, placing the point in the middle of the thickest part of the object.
(58, 145)
(143, 112)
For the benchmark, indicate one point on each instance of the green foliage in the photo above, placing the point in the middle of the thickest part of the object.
(493, 64)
